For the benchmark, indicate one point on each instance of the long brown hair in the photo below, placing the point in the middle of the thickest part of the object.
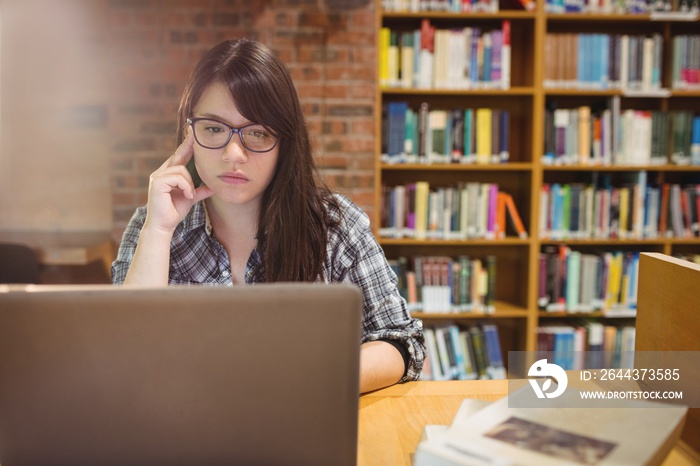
(293, 223)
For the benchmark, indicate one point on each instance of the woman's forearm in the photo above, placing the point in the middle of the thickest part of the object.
(381, 365)
(151, 262)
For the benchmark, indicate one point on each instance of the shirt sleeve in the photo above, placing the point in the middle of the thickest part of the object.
(127, 247)
(385, 313)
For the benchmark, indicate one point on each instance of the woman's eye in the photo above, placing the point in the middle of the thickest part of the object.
(214, 129)
(258, 134)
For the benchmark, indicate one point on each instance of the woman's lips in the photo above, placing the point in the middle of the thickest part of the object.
(233, 178)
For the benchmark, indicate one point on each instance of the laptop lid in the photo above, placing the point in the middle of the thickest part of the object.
(263, 374)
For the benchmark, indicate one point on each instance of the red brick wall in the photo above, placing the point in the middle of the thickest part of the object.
(154, 44)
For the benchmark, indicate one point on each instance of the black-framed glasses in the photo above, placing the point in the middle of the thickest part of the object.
(213, 134)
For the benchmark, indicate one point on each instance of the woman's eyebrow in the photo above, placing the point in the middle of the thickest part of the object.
(224, 120)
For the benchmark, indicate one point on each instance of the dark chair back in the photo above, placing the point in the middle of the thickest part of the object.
(18, 264)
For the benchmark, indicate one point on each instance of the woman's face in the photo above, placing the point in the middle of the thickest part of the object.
(235, 174)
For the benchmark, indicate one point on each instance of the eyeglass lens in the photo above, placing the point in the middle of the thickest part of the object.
(213, 134)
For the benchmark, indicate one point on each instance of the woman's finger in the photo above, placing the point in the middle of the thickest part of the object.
(183, 153)
(203, 192)
(167, 182)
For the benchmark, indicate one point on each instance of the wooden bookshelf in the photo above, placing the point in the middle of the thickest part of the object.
(525, 173)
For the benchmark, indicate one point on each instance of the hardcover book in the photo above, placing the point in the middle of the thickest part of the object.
(636, 432)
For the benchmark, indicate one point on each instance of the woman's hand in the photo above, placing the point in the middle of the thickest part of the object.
(171, 195)
(171, 192)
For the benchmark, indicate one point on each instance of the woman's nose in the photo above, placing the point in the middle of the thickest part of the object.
(234, 150)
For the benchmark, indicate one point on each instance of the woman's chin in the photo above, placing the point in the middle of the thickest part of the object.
(233, 198)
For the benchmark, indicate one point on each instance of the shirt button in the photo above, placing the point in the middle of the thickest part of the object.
(226, 273)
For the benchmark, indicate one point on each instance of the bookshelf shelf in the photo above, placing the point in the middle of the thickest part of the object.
(531, 94)
(458, 17)
(509, 241)
(685, 93)
(503, 311)
(587, 315)
(627, 93)
(687, 241)
(611, 242)
(597, 17)
(682, 168)
(515, 167)
(519, 91)
(552, 91)
(622, 168)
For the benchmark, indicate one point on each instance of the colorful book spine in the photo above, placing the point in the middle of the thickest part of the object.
(505, 55)
(441, 284)
(495, 368)
(483, 135)
(456, 58)
(456, 353)
(434, 135)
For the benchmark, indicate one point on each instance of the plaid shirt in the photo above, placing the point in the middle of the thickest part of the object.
(353, 256)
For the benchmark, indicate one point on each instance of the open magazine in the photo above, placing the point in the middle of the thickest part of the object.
(482, 433)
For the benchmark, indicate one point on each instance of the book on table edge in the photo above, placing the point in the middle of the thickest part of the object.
(639, 432)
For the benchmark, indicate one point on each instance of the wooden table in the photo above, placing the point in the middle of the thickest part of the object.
(391, 420)
(65, 248)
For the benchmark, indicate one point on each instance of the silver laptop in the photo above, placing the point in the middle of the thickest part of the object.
(263, 374)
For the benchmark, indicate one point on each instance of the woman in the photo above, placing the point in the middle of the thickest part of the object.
(260, 213)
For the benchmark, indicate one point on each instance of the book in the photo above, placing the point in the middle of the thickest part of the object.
(406, 59)
(480, 354)
(433, 354)
(469, 356)
(488, 50)
(500, 225)
(423, 131)
(504, 133)
(584, 134)
(490, 295)
(460, 353)
(469, 136)
(483, 210)
(396, 128)
(561, 122)
(437, 121)
(483, 135)
(632, 432)
(464, 282)
(467, 408)
(422, 191)
(695, 141)
(491, 221)
(573, 281)
(528, 5)
(514, 217)
(680, 137)
(384, 40)
(440, 59)
(457, 136)
(497, 48)
(425, 59)
(495, 368)
(393, 60)
(505, 54)
(446, 352)
(495, 136)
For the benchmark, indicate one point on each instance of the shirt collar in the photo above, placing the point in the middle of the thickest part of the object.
(198, 218)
